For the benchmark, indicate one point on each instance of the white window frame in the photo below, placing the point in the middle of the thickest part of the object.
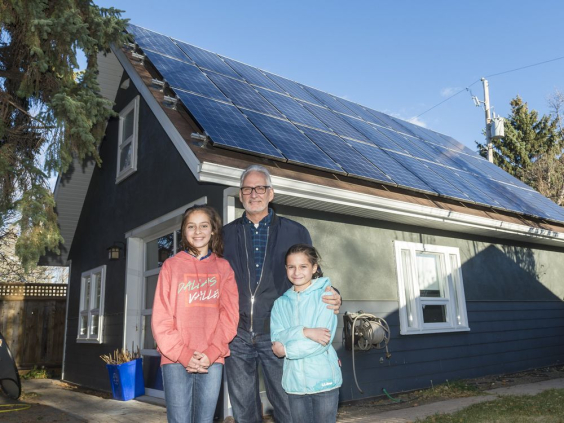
(91, 310)
(453, 299)
(121, 174)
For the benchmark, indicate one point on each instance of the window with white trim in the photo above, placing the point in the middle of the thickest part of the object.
(431, 291)
(128, 135)
(91, 314)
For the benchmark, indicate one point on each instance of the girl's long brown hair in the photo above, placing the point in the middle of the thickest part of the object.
(216, 240)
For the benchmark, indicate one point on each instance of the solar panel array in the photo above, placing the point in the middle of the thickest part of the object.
(243, 108)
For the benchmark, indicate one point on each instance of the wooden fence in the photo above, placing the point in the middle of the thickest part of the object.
(32, 320)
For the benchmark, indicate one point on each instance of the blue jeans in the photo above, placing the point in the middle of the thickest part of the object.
(247, 350)
(315, 408)
(191, 397)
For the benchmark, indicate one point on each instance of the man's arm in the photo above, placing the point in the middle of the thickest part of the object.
(334, 300)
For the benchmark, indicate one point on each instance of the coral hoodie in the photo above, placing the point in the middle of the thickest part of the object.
(196, 308)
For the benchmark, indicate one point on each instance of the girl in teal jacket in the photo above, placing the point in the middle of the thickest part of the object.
(302, 329)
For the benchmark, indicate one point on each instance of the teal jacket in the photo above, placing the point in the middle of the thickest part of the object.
(309, 367)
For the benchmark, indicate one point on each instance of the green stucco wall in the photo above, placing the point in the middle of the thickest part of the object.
(358, 256)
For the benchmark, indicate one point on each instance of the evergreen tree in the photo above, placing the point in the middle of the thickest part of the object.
(531, 149)
(48, 108)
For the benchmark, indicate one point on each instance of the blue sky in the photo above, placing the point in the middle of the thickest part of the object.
(398, 57)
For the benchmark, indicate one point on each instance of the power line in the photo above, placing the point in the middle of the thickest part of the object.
(525, 67)
(490, 76)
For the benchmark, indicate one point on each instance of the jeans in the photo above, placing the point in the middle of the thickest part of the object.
(191, 397)
(247, 350)
(315, 408)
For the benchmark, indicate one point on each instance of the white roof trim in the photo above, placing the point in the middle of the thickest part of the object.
(177, 139)
(319, 197)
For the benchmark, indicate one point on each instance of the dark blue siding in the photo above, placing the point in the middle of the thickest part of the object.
(161, 184)
(504, 337)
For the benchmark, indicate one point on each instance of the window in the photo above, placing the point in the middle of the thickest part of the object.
(127, 145)
(431, 292)
(90, 321)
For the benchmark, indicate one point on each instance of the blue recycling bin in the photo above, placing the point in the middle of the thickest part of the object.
(127, 379)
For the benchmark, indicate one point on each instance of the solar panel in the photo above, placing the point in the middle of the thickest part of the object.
(387, 164)
(360, 111)
(534, 197)
(350, 160)
(185, 76)
(252, 75)
(330, 101)
(419, 148)
(526, 201)
(494, 190)
(226, 125)
(423, 172)
(388, 121)
(372, 133)
(244, 108)
(334, 122)
(449, 157)
(400, 141)
(481, 165)
(292, 143)
(242, 94)
(454, 178)
(292, 109)
(428, 136)
(149, 40)
(292, 88)
(457, 145)
(438, 139)
(207, 60)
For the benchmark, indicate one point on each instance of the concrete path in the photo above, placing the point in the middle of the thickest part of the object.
(71, 406)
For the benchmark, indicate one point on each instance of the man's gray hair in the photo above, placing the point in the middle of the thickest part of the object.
(256, 168)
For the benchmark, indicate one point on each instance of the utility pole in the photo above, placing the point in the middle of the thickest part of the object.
(488, 119)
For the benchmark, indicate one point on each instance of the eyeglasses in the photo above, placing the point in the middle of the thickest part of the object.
(259, 189)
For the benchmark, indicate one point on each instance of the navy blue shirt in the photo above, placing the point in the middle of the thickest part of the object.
(259, 237)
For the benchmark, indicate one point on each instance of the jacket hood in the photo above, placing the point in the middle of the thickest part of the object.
(318, 284)
(184, 256)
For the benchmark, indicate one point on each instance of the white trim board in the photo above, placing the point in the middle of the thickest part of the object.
(335, 200)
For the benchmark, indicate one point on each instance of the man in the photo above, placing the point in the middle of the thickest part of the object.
(255, 246)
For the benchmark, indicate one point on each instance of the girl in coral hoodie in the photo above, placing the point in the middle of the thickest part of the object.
(195, 316)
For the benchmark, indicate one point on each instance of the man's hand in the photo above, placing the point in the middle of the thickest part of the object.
(334, 300)
(320, 335)
(278, 349)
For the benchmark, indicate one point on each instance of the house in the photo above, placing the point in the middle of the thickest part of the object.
(462, 260)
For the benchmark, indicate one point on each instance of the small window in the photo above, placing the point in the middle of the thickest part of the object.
(127, 145)
(431, 292)
(92, 305)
